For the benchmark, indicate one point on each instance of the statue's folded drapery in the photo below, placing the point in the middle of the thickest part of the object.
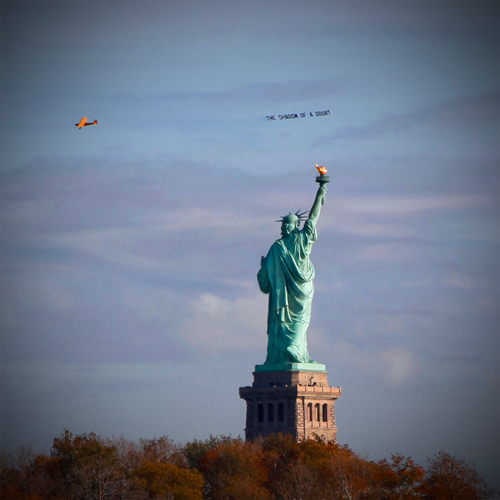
(286, 274)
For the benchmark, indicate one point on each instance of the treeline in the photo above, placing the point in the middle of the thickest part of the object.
(90, 467)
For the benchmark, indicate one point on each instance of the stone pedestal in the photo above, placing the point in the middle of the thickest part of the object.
(293, 398)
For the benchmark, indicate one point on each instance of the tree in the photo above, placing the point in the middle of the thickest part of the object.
(280, 451)
(302, 477)
(400, 479)
(452, 478)
(234, 470)
(196, 450)
(87, 465)
(299, 482)
(167, 481)
(21, 477)
(162, 450)
(349, 477)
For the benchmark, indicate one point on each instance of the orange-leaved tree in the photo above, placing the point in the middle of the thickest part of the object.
(399, 479)
(302, 478)
(86, 465)
(280, 453)
(163, 480)
(347, 476)
(234, 470)
(452, 478)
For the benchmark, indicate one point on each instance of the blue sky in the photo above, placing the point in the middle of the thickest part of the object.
(130, 249)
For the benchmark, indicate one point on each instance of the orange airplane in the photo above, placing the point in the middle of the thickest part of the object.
(84, 123)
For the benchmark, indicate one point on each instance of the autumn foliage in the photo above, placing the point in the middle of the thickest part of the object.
(88, 466)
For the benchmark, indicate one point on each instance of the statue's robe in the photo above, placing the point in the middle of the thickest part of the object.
(286, 274)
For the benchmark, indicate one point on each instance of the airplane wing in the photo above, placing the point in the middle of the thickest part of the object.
(82, 122)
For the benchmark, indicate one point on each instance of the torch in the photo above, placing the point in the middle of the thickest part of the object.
(322, 178)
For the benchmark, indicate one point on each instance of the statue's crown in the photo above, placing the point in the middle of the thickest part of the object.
(292, 218)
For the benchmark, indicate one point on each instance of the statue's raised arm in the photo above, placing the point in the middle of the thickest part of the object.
(318, 202)
(322, 180)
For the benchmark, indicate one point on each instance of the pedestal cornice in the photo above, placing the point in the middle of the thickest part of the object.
(278, 367)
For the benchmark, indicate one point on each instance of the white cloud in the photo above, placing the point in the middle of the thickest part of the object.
(206, 218)
(219, 325)
(150, 304)
(456, 115)
(393, 366)
(371, 229)
(404, 206)
(486, 302)
(57, 294)
(118, 245)
(460, 282)
(381, 252)
(386, 216)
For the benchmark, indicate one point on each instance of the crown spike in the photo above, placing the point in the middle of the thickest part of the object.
(297, 214)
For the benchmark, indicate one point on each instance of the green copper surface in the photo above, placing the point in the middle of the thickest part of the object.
(286, 274)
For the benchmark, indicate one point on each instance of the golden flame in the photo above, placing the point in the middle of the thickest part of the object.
(321, 170)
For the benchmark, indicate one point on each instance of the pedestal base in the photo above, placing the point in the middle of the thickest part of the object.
(291, 400)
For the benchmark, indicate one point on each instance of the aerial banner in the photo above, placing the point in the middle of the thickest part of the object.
(292, 116)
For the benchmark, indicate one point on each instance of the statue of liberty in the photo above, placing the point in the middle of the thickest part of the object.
(287, 274)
